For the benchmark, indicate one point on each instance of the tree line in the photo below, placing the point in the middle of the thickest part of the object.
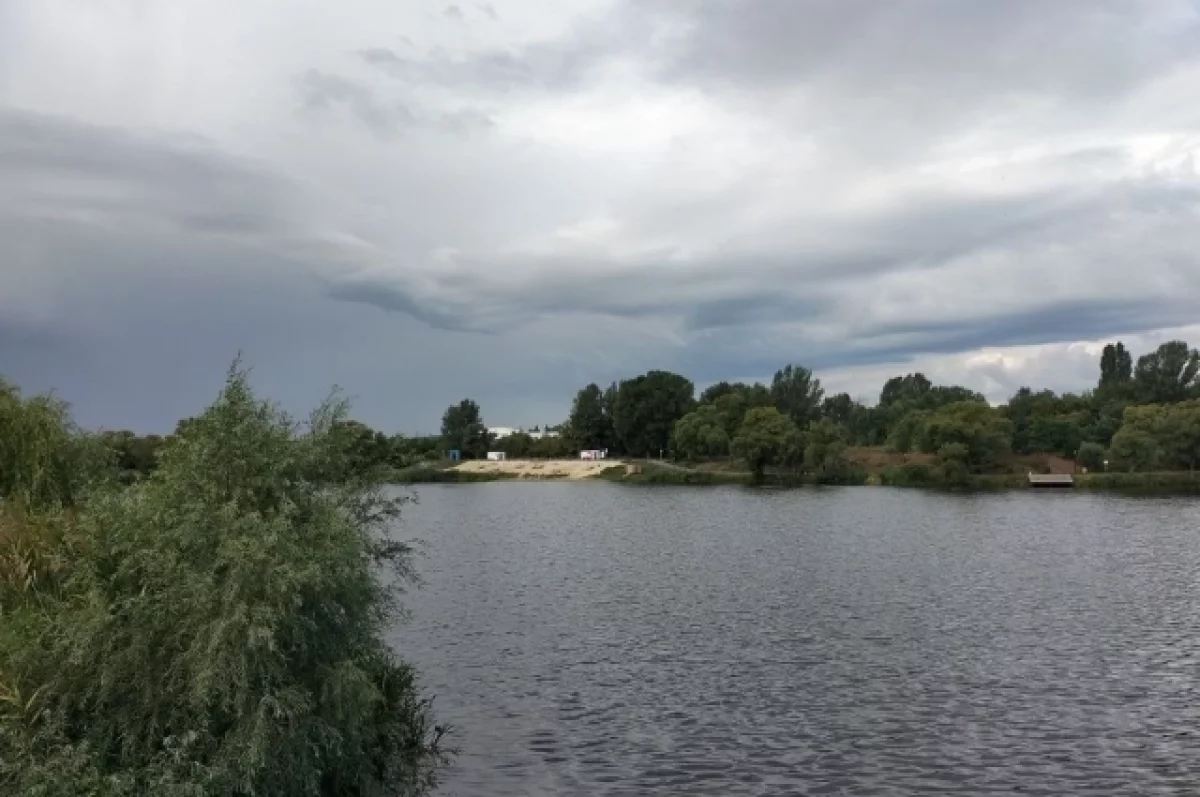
(1140, 416)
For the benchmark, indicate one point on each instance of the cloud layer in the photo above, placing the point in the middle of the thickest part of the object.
(508, 200)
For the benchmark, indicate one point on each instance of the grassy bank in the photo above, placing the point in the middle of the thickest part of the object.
(652, 472)
(912, 473)
(1166, 483)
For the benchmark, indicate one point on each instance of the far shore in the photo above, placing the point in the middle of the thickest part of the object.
(541, 469)
(912, 472)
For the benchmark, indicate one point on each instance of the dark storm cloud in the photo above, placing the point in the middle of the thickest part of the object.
(60, 168)
(728, 288)
(712, 186)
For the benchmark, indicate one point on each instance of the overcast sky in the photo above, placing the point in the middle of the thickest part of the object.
(421, 201)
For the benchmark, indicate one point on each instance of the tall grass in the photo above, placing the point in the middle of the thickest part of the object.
(214, 629)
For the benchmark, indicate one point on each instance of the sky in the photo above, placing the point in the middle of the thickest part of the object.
(424, 201)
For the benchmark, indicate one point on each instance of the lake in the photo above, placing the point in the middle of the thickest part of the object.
(596, 639)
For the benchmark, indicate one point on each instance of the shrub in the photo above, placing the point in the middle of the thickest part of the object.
(1092, 456)
(952, 464)
(219, 628)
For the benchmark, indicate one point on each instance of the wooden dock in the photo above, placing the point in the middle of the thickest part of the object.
(1048, 480)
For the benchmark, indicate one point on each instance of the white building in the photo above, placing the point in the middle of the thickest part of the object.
(501, 432)
(594, 454)
(497, 456)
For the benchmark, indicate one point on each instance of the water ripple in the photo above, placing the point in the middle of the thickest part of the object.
(601, 640)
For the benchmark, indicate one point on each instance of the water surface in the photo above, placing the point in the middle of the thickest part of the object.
(594, 639)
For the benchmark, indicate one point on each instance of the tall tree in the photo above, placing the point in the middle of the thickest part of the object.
(797, 394)
(1168, 374)
(1116, 365)
(839, 409)
(463, 429)
(714, 392)
(590, 424)
(647, 408)
(899, 388)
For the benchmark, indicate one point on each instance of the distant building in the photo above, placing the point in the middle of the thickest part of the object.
(594, 454)
(497, 456)
(501, 432)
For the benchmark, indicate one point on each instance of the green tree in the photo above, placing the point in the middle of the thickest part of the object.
(1170, 431)
(953, 464)
(367, 449)
(732, 409)
(1135, 450)
(714, 392)
(904, 388)
(840, 409)
(825, 448)
(1092, 456)
(218, 628)
(984, 432)
(646, 410)
(797, 394)
(463, 429)
(45, 461)
(1168, 374)
(590, 422)
(517, 445)
(551, 447)
(1116, 365)
(701, 434)
(767, 438)
(906, 432)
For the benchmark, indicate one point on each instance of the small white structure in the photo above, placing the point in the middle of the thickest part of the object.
(497, 456)
(594, 454)
(498, 432)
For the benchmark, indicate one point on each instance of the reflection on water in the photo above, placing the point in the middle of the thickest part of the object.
(592, 639)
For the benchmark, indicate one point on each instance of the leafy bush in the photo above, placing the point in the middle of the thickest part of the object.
(1092, 456)
(216, 628)
(45, 462)
(952, 464)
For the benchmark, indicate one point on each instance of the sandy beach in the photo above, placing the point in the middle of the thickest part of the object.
(569, 469)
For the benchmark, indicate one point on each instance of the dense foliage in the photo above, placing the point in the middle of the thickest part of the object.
(646, 409)
(591, 422)
(463, 430)
(766, 438)
(656, 413)
(214, 628)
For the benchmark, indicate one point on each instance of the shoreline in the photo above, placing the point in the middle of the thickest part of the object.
(653, 472)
